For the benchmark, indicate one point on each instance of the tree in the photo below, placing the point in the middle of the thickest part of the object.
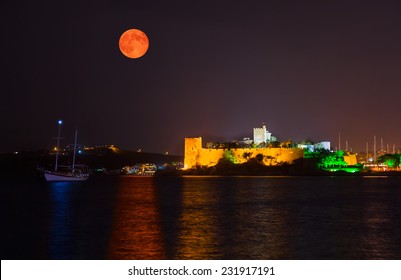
(259, 158)
(261, 145)
(272, 159)
(229, 156)
(390, 160)
(287, 144)
(333, 160)
(247, 155)
(274, 144)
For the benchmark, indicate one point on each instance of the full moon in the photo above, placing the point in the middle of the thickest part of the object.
(133, 43)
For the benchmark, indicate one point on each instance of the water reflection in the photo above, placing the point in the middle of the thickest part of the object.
(136, 230)
(254, 218)
(169, 194)
(377, 244)
(61, 223)
(223, 218)
(198, 236)
(259, 232)
(80, 217)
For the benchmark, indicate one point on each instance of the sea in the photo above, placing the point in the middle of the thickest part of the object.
(202, 218)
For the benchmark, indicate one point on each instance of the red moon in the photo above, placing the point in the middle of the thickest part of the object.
(133, 43)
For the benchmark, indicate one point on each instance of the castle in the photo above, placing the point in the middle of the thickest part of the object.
(261, 135)
(195, 155)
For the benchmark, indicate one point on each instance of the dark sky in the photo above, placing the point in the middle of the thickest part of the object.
(216, 69)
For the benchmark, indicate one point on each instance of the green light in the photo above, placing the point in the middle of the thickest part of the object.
(333, 160)
(229, 156)
(390, 160)
(350, 169)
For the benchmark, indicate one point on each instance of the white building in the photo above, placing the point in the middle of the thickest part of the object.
(261, 135)
(324, 145)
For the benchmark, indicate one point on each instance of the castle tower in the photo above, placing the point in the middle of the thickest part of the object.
(261, 135)
(193, 147)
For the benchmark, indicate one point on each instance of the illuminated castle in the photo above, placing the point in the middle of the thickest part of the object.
(195, 155)
(264, 148)
(261, 135)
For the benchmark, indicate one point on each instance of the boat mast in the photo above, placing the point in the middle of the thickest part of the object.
(75, 149)
(60, 122)
(374, 148)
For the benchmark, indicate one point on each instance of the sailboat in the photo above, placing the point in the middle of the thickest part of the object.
(66, 173)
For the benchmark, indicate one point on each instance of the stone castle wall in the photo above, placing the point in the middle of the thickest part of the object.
(195, 155)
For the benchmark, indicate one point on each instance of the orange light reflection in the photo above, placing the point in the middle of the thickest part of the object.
(136, 232)
(198, 237)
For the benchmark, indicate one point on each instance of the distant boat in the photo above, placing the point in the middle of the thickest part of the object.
(66, 173)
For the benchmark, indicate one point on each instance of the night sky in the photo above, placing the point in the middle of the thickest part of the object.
(216, 69)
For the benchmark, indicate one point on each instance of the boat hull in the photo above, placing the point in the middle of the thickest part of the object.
(52, 176)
